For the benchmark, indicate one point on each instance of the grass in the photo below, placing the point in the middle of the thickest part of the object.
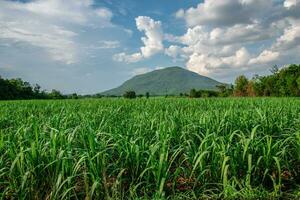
(150, 149)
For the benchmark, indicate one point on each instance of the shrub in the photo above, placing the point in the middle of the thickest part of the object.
(129, 95)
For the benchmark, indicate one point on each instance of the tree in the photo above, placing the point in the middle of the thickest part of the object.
(224, 91)
(55, 94)
(129, 95)
(193, 93)
(98, 95)
(241, 84)
(147, 95)
(250, 89)
(74, 96)
(283, 82)
(203, 93)
(274, 69)
(36, 88)
(221, 88)
(298, 82)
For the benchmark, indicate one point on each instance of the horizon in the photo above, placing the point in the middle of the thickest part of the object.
(91, 46)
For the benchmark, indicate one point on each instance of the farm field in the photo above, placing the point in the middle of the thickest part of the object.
(160, 148)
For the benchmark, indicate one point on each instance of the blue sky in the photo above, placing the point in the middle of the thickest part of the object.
(89, 46)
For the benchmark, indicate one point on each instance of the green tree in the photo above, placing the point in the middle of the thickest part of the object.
(74, 96)
(241, 84)
(193, 93)
(274, 69)
(147, 95)
(55, 94)
(298, 82)
(283, 82)
(224, 91)
(129, 95)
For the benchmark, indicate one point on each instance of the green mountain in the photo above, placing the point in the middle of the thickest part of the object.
(171, 81)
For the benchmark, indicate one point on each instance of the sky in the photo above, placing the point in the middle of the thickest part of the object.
(88, 46)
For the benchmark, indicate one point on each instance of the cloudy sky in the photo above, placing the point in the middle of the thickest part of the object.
(88, 46)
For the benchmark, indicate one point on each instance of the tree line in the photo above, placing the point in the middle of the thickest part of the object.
(280, 83)
(284, 82)
(14, 89)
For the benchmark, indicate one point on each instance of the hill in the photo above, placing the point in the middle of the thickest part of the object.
(171, 81)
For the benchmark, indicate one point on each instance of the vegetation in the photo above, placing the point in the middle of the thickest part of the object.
(150, 149)
(203, 93)
(241, 86)
(281, 83)
(19, 89)
(284, 82)
(129, 95)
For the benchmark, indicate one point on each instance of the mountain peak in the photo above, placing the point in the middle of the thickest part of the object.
(167, 81)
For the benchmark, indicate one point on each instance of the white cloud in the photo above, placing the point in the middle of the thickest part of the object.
(239, 59)
(290, 38)
(242, 33)
(123, 57)
(54, 39)
(108, 44)
(71, 11)
(284, 46)
(290, 3)
(195, 35)
(225, 12)
(202, 63)
(47, 24)
(266, 56)
(205, 64)
(174, 51)
(179, 13)
(152, 40)
(221, 34)
(154, 35)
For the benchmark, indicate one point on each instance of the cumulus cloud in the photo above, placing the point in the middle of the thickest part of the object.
(290, 38)
(205, 63)
(285, 44)
(175, 52)
(237, 35)
(241, 33)
(224, 13)
(290, 3)
(47, 24)
(152, 40)
(202, 63)
(266, 56)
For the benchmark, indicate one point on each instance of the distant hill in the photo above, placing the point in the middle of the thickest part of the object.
(171, 81)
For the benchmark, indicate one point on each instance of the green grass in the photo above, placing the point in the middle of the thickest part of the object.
(150, 149)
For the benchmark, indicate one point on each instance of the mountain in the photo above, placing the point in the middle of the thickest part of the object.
(171, 80)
